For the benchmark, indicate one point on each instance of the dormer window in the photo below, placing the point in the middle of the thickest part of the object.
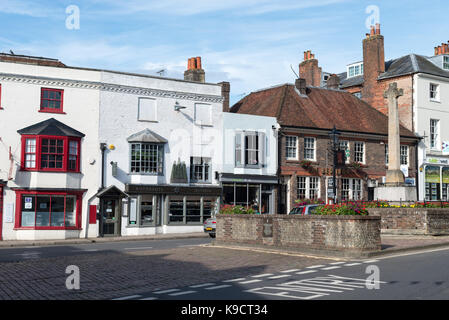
(446, 62)
(355, 70)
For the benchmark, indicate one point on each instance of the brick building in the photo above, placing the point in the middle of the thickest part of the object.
(422, 108)
(306, 115)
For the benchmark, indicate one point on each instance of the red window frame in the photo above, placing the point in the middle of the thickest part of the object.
(52, 110)
(39, 161)
(78, 209)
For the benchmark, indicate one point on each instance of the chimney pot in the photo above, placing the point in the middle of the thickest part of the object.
(198, 63)
(377, 28)
(440, 51)
(372, 32)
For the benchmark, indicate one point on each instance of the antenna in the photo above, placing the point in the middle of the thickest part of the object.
(10, 51)
(161, 72)
(297, 77)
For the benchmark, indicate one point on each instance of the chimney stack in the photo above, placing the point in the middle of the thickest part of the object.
(309, 70)
(373, 62)
(225, 90)
(333, 82)
(194, 71)
(301, 85)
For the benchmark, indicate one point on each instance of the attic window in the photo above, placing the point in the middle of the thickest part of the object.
(355, 70)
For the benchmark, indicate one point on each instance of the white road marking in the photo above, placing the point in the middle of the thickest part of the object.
(313, 267)
(353, 264)
(279, 277)
(336, 263)
(262, 275)
(87, 250)
(305, 272)
(234, 280)
(138, 248)
(331, 268)
(202, 285)
(149, 298)
(249, 281)
(218, 287)
(291, 270)
(181, 293)
(128, 297)
(166, 291)
(370, 261)
(29, 254)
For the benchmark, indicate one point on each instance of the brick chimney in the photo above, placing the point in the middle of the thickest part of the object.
(194, 71)
(443, 49)
(301, 85)
(309, 70)
(225, 90)
(333, 82)
(373, 62)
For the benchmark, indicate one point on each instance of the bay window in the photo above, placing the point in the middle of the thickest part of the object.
(147, 158)
(50, 153)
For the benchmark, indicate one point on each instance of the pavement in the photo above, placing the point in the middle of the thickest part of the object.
(21, 243)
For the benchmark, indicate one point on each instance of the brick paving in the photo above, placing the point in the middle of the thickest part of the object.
(115, 274)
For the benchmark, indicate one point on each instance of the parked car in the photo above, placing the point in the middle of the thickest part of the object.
(210, 226)
(304, 210)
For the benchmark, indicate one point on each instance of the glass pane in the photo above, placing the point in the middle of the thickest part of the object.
(28, 210)
(241, 195)
(253, 197)
(193, 209)
(208, 207)
(43, 211)
(57, 211)
(146, 210)
(176, 209)
(228, 194)
(70, 211)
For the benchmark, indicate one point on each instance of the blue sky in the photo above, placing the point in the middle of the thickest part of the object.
(250, 43)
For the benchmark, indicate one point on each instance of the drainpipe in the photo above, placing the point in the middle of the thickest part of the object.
(103, 149)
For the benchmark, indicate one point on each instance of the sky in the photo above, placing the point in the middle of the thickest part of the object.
(253, 44)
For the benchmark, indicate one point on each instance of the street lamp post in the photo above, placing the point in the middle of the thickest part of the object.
(334, 134)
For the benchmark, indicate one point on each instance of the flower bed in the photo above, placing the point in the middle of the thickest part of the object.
(349, 209)
(230, 209)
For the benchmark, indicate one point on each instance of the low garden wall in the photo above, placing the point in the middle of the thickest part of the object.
(345, 234)
(423, 221)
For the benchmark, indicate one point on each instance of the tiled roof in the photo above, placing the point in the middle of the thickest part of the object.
(409, 64)
(320, 109)
(51, 127)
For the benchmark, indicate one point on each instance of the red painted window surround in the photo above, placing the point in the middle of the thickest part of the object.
(65, 159)
(52, 100)
(18, 214)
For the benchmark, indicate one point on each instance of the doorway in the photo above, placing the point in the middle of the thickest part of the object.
(111, 218)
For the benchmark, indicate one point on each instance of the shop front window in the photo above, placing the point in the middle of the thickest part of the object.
(146, 210)
(433, 183)
(176, 209)
(193, 209)
(47, 211)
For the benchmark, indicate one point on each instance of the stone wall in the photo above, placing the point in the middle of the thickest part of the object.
(310, 233)
(428, 221)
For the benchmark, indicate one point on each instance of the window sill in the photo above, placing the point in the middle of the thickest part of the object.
(146, 174)
(49, 171)
(51, 111)
(435, 100)
(48, 228)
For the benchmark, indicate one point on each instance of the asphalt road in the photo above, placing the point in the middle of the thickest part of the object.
(409, 276)
(14, 254)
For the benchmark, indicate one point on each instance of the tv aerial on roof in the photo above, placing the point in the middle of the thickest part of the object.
(161, 72)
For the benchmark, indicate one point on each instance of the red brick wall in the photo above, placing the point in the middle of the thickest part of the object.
(310, 71)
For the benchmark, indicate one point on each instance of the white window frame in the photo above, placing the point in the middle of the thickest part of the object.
(435, 134)
(308, 148)
(312, 184)
(434, 89)
(404, 153)
(291, 146)
(446, 62)
(240, 148)
(356, 151)
(352, 189)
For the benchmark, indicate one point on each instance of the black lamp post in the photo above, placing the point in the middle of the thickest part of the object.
(334, 134)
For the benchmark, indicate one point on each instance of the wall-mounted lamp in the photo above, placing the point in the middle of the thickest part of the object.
(178, 106)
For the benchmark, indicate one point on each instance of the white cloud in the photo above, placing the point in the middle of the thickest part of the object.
(27, 8)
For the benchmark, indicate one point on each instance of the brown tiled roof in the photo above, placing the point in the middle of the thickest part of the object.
(321, 108)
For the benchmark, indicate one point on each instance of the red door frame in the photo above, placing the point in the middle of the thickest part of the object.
(1, 212)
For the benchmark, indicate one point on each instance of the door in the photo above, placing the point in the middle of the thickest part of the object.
(111, 217)
(266, 203)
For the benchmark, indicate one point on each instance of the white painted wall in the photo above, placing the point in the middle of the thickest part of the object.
(238, 121)
(20, 100)
(426, 109)
(119, 120)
